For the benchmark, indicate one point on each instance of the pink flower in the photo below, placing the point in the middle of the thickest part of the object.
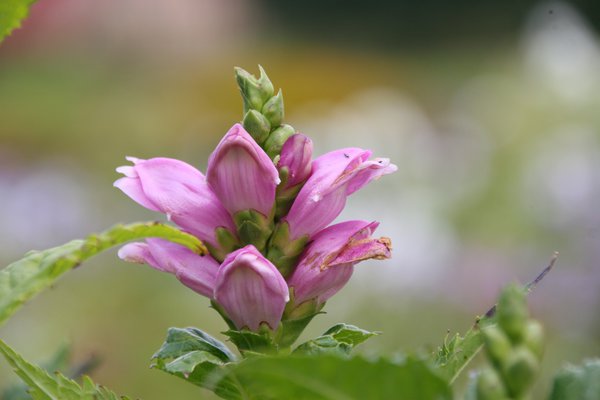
(328, 261)
(241, 174)
(178, 190)
(194, 271)
(251, 290)
(335, 176)
(236, 204)
(296, 159)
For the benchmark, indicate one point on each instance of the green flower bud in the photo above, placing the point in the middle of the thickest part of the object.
(512, 312)
(227, 242)
(276, 139)
(497, 345)
(534, 338)
(273, 109)
(257, 126)
(284, 253)
(255, 92)
(253, 228)
(520, 370)
(489, 386)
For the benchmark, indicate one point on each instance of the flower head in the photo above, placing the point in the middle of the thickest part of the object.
(264, 211)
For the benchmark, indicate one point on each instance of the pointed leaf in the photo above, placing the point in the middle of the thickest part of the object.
(44, 386)
(181, 341)
(192, 354)
(23, 279)
(12, 12)
(340, 339)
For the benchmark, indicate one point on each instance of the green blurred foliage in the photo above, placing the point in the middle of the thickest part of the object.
(82, 108)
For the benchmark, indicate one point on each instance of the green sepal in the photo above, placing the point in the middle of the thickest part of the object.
(276, 139)
(295, 319)
(273, 109)
(253, 228)
(282, 252)
(257, 125)
(253, 343)
(284, 197)
(255, 92)
(227, 243)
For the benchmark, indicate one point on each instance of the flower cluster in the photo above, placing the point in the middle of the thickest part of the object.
(264, 210)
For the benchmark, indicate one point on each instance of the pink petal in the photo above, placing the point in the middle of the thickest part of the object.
(194, 271)
(251, 290)
(241, 173)
(327, 263)
(335, 175)
(296, 156)
(178, 190)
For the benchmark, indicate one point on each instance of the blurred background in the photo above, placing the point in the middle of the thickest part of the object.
(489, 109)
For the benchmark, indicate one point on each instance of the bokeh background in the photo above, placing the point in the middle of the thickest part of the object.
(489, 109)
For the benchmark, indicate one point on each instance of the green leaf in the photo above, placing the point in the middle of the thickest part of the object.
(193, 355)
(454, 355)
(249, 342)
(339, 339)
(44, 386)
(181, 341)
(12, 12)
(578, 382)
(328, 377)
(58, 362)
(23, 279)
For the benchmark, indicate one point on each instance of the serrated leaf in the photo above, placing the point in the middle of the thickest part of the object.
(192, 354)
(12, 12)
(23, 279)
(328, 377)
(44, 386)
(578, 382)
(58, 362)
(339, 339)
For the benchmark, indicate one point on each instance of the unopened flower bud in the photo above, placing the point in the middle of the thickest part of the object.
(257, 126)
(489, 386)
(534, 338)
(497, 345)
(253, 228)
(241, 174)
(520, 370)
(296, 157)
(512, 312)
(251, 290)
(255, 92)
(276, 140)
(273, 109)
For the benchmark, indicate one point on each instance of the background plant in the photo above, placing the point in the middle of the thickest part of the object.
(443, 95)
